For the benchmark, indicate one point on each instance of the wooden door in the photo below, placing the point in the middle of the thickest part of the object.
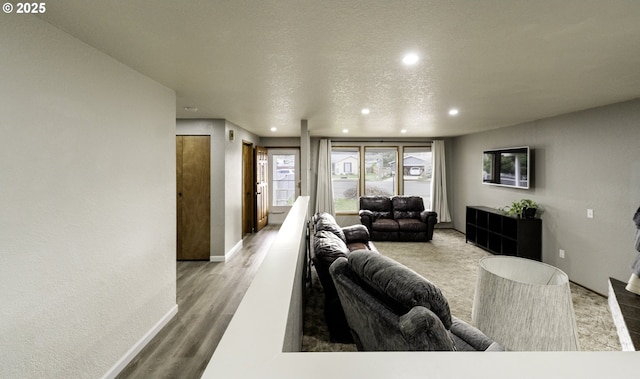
(193, 177)
(262, 187)
(247, 189)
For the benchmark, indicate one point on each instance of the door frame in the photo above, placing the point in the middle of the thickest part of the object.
(248, 185)
(261, 191)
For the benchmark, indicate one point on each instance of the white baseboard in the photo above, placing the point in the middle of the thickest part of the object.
(229, 254)
(234, 250)
(135, 349)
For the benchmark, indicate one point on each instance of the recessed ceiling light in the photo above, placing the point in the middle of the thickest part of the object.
(191, 109)
(365, 111)
(345, 130)
(403, 131)
(453, 112)
(274, 129)
(410, 59)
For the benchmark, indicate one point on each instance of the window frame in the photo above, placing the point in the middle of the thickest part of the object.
(361, 147)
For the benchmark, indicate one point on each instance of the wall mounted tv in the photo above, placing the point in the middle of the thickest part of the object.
(509, 167)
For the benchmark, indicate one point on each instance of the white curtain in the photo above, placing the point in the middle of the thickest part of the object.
(324, 193)
(439, 203)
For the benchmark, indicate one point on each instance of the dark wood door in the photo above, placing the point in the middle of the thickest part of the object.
(262, 187)
(247, 188)
(193, 178)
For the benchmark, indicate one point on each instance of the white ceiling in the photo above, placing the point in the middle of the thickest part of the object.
(272, 63)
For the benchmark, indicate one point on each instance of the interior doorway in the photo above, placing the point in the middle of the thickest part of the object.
(193, 184)
(248, 215)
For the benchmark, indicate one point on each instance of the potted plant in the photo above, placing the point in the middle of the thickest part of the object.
(524, 208)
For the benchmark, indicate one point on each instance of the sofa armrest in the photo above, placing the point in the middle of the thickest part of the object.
(428, 217)
(356, 233)
(467, 337)
(366, 218)
(424, 330)
(431, 219)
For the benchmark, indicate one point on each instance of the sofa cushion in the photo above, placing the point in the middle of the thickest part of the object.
(385, 225)
(326, 222)
(380, 206)
(411, 225)
(327, 247)
(400, 283)
(407, 207)
(358, 246)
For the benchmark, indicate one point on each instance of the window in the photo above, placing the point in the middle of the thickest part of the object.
(417, 168)
(380, 166)
(344, 174)
(384, 174)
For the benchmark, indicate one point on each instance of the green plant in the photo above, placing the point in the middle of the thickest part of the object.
(519, 208)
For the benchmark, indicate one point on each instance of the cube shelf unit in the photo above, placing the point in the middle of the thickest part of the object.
(502, 234)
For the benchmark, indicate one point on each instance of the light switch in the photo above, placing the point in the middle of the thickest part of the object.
(589, 213)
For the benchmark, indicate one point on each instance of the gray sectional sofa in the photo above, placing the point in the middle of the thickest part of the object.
(389, 307)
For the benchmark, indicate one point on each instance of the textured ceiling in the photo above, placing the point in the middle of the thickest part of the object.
(272, 63)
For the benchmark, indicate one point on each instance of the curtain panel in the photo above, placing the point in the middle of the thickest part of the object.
(324, 192)
(439, 203)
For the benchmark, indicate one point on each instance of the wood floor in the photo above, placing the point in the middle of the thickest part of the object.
(208, 295)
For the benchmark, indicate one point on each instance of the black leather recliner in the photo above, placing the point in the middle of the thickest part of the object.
(330, 241)
(397, 218)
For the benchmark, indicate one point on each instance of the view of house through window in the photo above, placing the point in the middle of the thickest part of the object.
(416, 169)
(380, 165)
(345, 174)
(383, 173)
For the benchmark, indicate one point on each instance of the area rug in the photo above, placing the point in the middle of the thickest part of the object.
(450, 263)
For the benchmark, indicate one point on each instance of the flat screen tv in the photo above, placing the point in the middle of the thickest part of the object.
(509, 167)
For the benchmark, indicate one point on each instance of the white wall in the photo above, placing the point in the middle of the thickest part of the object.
(587, 159)
(87, 204)
(233, 184)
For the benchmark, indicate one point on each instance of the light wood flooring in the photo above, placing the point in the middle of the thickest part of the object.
(208, 295)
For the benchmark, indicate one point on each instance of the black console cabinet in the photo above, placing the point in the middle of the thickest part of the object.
(502, 234)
